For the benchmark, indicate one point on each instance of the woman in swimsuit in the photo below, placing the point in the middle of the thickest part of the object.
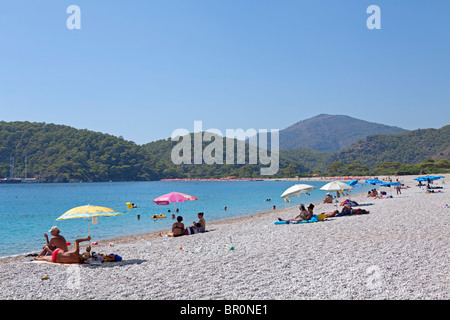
(304, 214)
(61, 256)
(177, 228)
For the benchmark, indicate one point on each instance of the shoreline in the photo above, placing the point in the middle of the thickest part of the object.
(153, 234)
(398, 251)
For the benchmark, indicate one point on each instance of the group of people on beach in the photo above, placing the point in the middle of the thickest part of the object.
(56, 249)
(178, 228)
(307, 213)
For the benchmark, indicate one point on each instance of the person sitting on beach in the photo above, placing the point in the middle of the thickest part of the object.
(57, 242)
(304, 214)
(177, 228)
(61, 256)
(201, 224)
(328, 198)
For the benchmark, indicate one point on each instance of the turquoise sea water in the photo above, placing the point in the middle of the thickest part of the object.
(29, 210)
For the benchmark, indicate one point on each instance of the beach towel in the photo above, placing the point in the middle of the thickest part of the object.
(52, 263)
(314, 218)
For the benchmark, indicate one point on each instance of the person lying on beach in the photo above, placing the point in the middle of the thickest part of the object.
(347, 210)
(328, 198)
(57, 242)
(177, 228)
(201, 224)
(61, 256)
(330, 214)
(304, 214)
(380, 197)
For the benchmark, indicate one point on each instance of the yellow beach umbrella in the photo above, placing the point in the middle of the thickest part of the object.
(89, 212)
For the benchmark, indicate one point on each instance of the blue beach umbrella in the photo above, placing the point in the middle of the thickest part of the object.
(425, 178)
(388, 184)
(352, 183)
(373, 181)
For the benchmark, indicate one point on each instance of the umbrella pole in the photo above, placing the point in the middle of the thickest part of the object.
(89, 226)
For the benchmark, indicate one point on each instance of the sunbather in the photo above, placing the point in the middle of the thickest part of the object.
(177, 228)
(201, 224)
(347, 210)
(304, 214)
(328, 198)
(330, 214)
(61, 256)
(57, 242)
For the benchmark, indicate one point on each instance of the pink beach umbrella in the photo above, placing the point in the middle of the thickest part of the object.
(173, 197)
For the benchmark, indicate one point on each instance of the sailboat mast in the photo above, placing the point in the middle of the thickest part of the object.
(11, 169)
(26, 160)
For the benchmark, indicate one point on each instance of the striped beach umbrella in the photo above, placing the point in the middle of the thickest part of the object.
(89, 212)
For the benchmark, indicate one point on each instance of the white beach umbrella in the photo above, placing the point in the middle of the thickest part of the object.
(335, 186)
(297, 190)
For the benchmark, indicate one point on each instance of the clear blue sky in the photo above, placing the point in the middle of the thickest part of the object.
(141, 69)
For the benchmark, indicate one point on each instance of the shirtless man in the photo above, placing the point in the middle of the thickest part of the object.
(61, 256)
(57, 242)
(328, 198)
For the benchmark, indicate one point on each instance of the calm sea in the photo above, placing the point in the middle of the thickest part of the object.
(29, 210)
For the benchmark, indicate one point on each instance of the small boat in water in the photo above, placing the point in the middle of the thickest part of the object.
(11, 180)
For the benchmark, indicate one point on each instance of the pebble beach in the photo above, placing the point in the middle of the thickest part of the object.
(400, 250)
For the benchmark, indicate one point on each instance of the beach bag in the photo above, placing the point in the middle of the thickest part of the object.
(190, 230)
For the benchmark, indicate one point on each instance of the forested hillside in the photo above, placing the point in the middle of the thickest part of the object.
(409, 148)
(58, 153)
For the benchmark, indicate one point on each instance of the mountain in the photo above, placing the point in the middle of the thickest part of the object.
(330, 133)
(58, 153)
(409, 148)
